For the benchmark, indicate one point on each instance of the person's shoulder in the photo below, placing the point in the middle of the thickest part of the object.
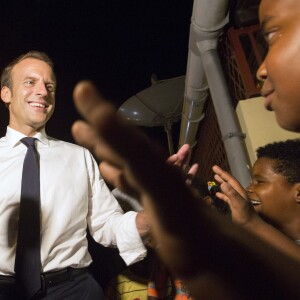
(3, 143)
(3, 139)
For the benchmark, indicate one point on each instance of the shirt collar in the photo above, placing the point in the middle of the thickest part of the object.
(13, 136)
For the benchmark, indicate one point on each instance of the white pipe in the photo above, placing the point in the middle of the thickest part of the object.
(194, 98)
(210, 15)
(229, 126)
(208, 19)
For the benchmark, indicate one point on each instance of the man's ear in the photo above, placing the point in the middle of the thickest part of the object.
(6, 95)
(297, 190)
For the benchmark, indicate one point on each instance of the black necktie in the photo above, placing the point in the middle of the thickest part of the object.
(28, 257)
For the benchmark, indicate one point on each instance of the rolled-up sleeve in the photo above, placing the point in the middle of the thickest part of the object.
(107, 223)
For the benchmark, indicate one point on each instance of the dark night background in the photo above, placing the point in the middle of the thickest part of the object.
(117, 44)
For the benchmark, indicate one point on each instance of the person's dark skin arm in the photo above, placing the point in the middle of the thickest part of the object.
(193, 242)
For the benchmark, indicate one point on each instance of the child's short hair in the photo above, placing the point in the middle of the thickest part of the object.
(286, 155)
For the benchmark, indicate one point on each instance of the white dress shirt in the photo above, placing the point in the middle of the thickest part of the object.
(73, 197)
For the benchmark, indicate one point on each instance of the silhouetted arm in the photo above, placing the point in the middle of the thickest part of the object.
(197, 245)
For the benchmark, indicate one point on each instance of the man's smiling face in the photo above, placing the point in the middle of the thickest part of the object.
(31, 100)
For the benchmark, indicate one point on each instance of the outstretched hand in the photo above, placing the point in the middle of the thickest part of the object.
(102, 122)
(181, 159)
(128, 160)
(187, 248)
(242, 210)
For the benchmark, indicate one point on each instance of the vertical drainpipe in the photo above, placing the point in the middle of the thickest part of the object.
(195, 93)
(232, 136)
(209, 17)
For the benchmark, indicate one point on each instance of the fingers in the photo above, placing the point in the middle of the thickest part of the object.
(110, 134)
(183, 154)
(191, 174)
(242, 210)
(229, 194)
(116, 177)
(223, 197)
(111, 174)
(219, 179)
(222, 176)
(181, 157)
(229, 191)
(113, 139)
(172, 159)
(98, 113)
(84, 134)
(89, 103)
(193, 170)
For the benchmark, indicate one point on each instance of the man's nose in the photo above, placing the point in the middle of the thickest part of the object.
(41, 89)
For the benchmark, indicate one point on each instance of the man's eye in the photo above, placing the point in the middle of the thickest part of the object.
(29, 82)
(50, 88)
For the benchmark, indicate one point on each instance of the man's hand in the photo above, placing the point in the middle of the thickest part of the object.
(187, 248)
(143, 227)
(131, 163)
(181, 159)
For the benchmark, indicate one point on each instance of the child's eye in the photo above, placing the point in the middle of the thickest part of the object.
(257, 181)
(269, 36)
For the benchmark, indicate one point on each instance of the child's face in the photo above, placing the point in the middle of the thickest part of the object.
(280, 22)
(276, 198)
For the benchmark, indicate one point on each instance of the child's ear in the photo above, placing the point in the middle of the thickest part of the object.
(297, 189)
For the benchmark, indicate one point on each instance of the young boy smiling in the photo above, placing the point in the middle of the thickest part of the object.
(274, 192)
(275, 186)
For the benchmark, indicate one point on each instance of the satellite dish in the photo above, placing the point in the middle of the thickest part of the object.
(158, 105)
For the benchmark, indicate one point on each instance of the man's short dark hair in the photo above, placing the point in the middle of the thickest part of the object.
(6, 74)
(286, 155)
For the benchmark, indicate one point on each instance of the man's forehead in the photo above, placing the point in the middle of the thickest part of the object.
(30, 62)
(30, 66)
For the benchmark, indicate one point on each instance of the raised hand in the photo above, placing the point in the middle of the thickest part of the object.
(242, 210)
(181, 159)
(193, 241)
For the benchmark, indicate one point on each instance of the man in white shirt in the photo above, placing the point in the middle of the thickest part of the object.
(73, 194)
